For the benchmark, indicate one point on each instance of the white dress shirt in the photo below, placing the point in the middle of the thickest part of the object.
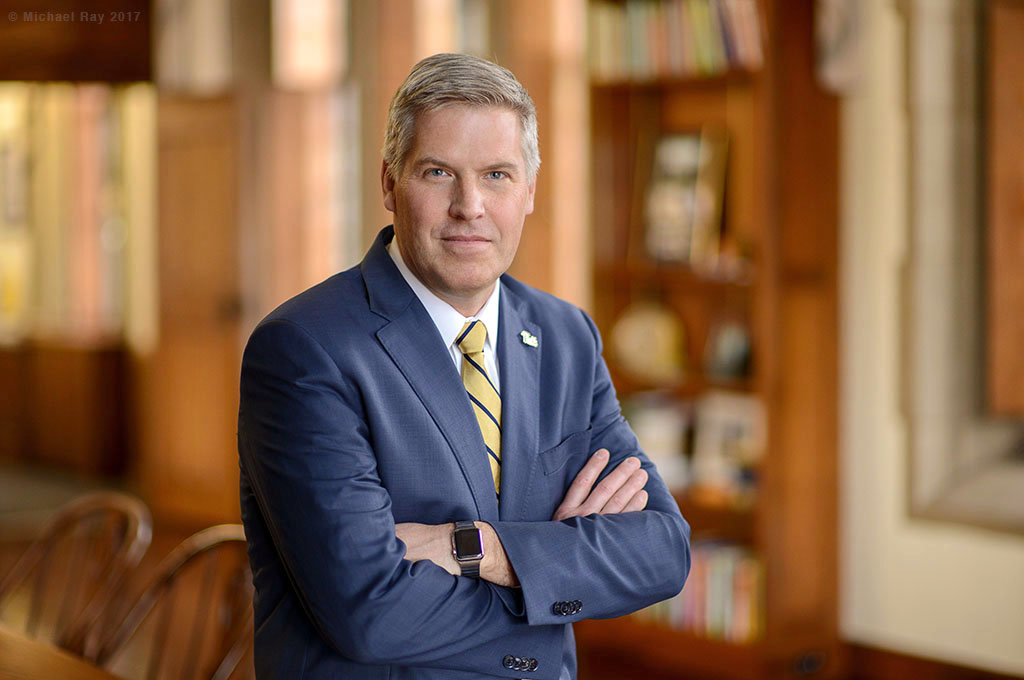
(449, 321)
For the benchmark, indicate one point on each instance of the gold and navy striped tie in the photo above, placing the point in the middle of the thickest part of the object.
(482, 393)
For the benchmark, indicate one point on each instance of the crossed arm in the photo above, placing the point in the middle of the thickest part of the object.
(621, 491)
(303, 435)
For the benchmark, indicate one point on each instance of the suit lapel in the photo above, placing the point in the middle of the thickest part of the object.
(413, 343)
(519, 364)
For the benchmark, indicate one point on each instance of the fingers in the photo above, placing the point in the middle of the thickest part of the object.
(610, 485)
(620, 491)
(580, 488)
(624, 495)
(637, 503)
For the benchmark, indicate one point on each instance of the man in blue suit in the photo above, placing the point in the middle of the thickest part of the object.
(435, 475)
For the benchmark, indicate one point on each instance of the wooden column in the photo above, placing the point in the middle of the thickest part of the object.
(541, 41)
(186, 390)
(1005, 185)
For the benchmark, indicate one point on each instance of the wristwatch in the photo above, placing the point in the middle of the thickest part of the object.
(468, 548)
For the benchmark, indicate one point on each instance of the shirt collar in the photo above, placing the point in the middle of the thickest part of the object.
(449, 321)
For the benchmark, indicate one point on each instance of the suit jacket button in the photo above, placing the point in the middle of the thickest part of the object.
(577, 607)
(508, 661)
(556, 608)
(534, 664)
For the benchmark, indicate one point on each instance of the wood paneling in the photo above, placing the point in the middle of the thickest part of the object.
(104, 40)
(12, 404)
(62, 405)
(801, 483)
(75, 407)
(1005, 209)
(186, 391)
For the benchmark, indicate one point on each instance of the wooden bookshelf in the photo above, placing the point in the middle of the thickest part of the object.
(662, 648)
(718, 520)
(780, 205)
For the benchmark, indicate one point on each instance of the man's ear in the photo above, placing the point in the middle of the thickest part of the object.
(531, 190)
(387, 186)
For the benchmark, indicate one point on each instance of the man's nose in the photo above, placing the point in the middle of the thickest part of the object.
(468, 201)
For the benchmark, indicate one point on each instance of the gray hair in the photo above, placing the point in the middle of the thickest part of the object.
(444, 79)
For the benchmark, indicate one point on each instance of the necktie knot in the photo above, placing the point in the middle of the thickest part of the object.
(471, 338)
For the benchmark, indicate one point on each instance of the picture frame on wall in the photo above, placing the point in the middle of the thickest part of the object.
(683, 196)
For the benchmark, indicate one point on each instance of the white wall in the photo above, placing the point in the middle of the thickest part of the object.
(925, 588)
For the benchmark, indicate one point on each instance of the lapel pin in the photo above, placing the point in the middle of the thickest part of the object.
(529, 338)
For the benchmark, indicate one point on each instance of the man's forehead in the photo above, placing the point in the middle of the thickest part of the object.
(430, 147)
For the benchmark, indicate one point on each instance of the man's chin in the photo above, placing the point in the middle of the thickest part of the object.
(470, 288)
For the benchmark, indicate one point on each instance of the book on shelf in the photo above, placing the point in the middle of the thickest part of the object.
(138, 112)
(643, 40)
(723, 598)
(15, 237)
(51, 184)
(87, 267)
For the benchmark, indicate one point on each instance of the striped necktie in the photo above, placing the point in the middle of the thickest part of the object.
(482, 393)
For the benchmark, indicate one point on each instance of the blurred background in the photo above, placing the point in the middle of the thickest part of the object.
(798, 224)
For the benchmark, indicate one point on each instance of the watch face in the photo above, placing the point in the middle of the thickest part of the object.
(467, 544)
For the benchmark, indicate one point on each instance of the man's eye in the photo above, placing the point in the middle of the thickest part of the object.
(435, 172)
(496, 174)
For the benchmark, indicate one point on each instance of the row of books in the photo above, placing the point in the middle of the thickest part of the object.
(76, 210)
(647, 39)
(710, 448)
(723, 598)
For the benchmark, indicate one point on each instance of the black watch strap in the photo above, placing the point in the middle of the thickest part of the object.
(470, 569)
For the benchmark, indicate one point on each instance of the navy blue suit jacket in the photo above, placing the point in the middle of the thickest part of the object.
(353, 417)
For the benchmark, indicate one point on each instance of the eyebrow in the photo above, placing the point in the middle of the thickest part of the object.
(503, 165)
(429, 160)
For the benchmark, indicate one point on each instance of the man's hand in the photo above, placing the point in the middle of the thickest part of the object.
(433, 542)
(621, 491)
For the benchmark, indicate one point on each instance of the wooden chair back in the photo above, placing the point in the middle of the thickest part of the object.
(66, 580)
(193, 620)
